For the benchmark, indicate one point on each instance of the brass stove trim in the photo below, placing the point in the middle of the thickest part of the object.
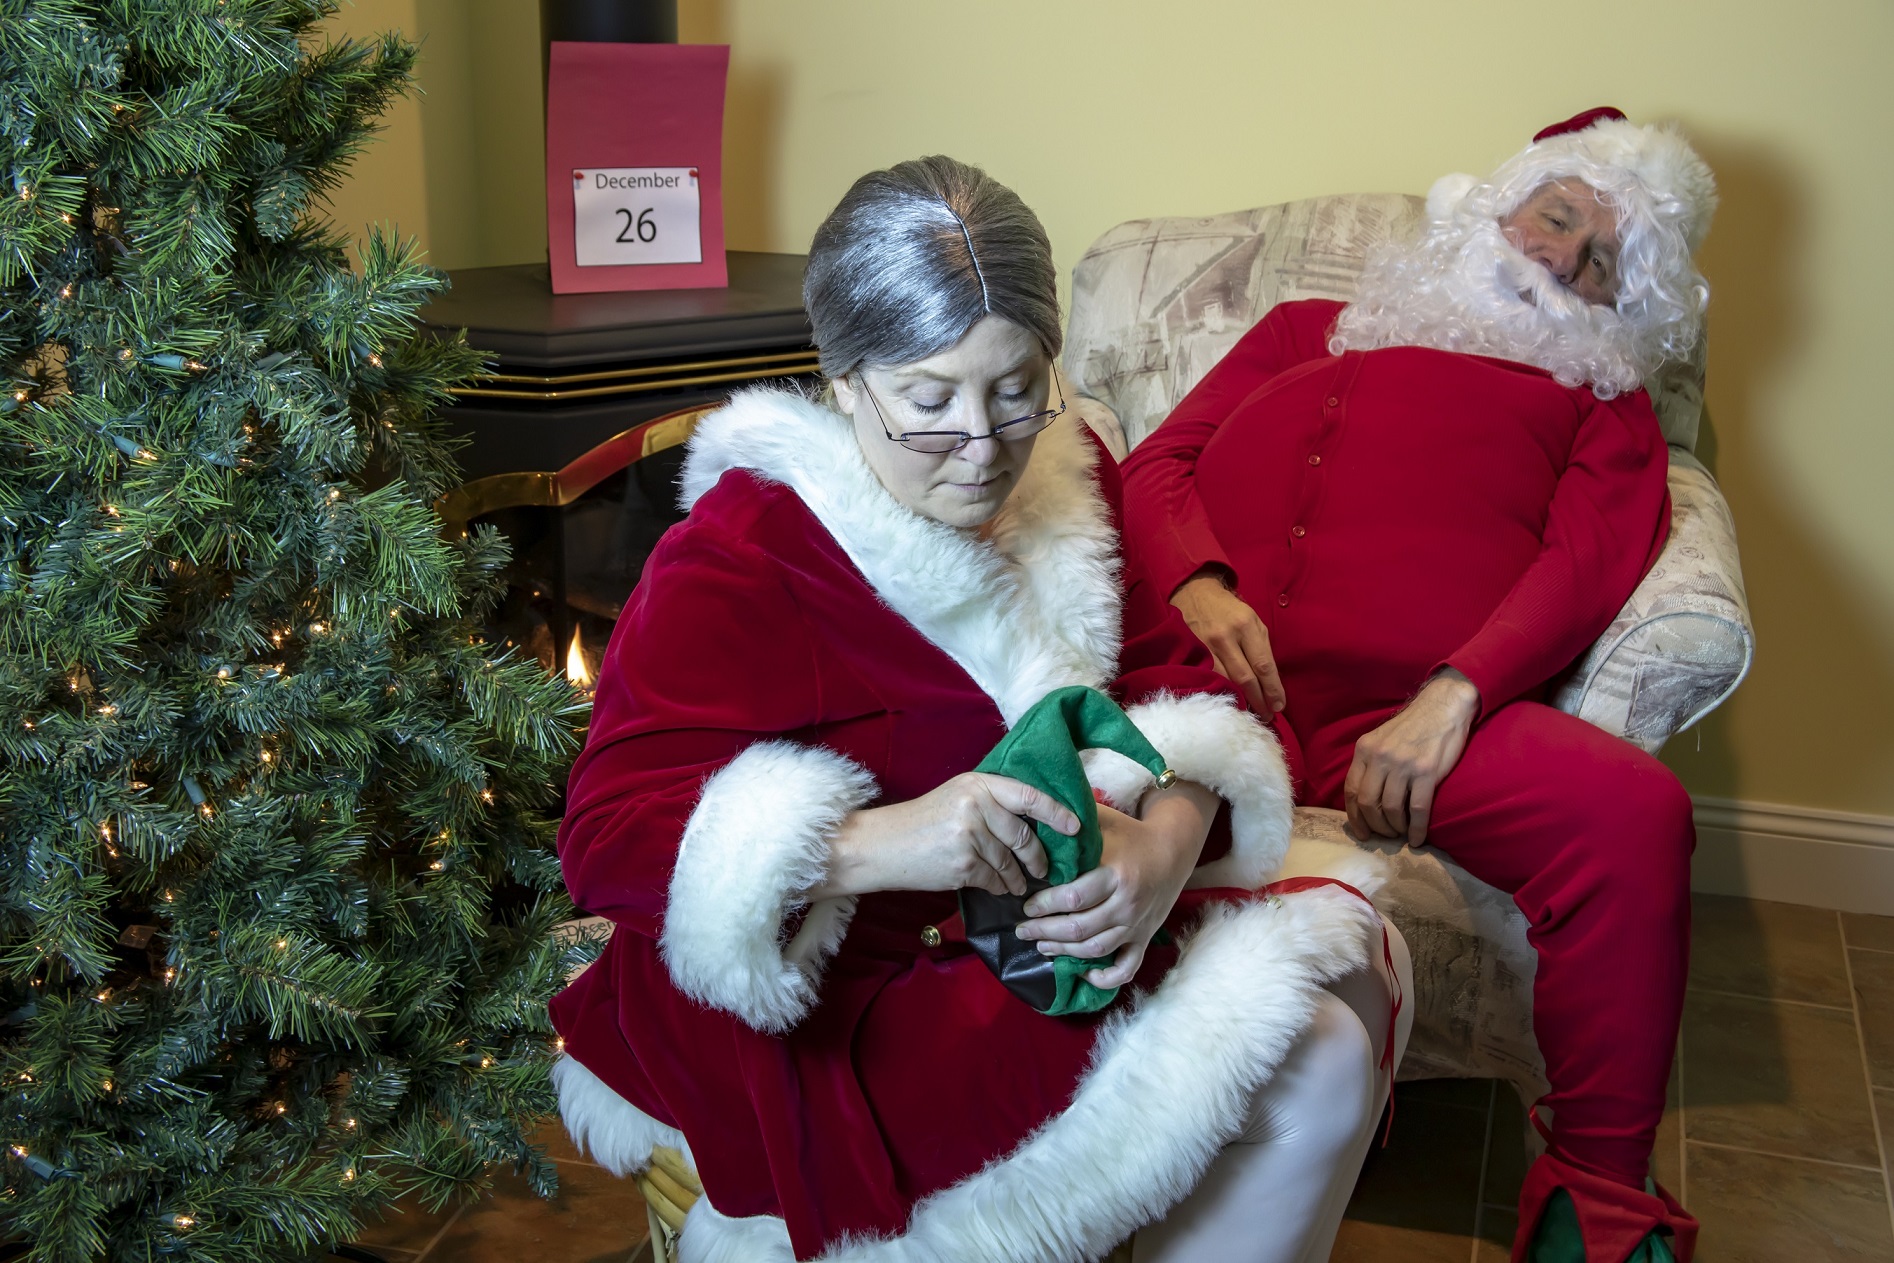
(551, 387)
(555, 489)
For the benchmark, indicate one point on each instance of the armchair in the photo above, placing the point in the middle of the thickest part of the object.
(1156, 303)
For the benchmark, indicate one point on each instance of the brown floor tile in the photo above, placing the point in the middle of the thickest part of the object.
(1874, 988)
(1360, 1242)
(1428, 1178)
(1863, 930)
(1884, 1112)
(1497, 1225)
(1780, 1077)
(406, 1227)
(596, 1218)
(1506, 1155)
(1758, 1209)
(1779, 950)
(552, 1137)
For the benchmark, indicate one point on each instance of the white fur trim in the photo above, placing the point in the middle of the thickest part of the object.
(1205, 738)
(1123, 781)
(1446, 194)
(618, 1135)
(756, 840)
(1177, 1071)
(1679, 182)
(1365, 870)
(1033, 608)
(710, 1236)
(1674, 186)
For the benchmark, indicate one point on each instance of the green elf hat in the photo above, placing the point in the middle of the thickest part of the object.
(1042, 750)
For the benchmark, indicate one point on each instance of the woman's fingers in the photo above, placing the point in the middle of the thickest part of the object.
(1103, 943)
(1121, 970)
(1009, 876)
(1083, 893)
(1020, 799)
(1007, 812)
(1010, 846)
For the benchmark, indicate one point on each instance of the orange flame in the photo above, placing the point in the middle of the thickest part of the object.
(577, 673)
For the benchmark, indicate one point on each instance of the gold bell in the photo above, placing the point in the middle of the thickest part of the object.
(1166, 779)
(930, 936)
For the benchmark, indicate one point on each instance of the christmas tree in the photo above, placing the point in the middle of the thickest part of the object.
(278, 902)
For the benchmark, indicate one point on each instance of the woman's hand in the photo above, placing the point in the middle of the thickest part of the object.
(1399, 766)
(1235, 637)
(975, 830)
(1116, 908)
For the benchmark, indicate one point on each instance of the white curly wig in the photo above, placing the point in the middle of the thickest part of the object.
(1463, 287)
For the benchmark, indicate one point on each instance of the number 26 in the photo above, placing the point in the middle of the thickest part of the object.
(645, 226)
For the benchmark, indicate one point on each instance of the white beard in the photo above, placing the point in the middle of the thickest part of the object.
(1463, 287)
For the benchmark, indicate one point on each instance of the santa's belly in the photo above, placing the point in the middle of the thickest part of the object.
(1378, 507)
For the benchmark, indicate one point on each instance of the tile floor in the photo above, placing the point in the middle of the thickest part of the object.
(1778, 1137)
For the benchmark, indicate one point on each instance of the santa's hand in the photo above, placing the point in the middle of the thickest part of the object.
(975, 830)
(1235, 637)
(1399, 766)
(1116, 908)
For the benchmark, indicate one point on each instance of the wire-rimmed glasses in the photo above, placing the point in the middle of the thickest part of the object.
(940, 442)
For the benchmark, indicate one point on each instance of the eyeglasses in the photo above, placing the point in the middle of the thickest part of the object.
(940, 442)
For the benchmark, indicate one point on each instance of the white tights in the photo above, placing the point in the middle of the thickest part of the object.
(1277, 1192)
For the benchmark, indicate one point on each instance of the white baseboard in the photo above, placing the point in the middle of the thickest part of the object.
(1827, 859)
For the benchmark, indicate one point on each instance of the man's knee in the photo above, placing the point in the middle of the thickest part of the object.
(1633, 834)
(1642, 814)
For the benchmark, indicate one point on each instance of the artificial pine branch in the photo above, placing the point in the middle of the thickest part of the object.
(278, 906)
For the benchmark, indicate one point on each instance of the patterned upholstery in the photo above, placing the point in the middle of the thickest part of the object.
(1157, 302)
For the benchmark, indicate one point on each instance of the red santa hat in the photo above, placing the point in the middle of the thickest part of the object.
(1651, 168)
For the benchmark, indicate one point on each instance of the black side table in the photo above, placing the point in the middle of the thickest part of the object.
(575, 369)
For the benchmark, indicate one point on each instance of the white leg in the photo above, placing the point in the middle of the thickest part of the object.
(1276, 1193)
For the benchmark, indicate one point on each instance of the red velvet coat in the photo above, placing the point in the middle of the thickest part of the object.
(800, 647)
(1390, 512)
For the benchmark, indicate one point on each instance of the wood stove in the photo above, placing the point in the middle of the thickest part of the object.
(573, 372)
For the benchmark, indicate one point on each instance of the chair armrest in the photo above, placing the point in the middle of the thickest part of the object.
(1684, 640)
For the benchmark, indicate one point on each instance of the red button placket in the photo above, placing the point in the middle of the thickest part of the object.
(1323, 436)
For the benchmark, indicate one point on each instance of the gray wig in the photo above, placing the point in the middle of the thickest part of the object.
(915, 256)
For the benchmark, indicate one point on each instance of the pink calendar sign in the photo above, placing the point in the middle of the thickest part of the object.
(634, 166)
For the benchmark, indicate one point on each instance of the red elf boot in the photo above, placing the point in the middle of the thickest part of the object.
(1567, 1215)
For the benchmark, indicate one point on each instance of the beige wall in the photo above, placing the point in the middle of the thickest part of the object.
(1103, 110)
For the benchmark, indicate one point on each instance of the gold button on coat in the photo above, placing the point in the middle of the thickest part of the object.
(930, 937)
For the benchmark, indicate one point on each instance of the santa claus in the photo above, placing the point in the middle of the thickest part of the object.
(1395, 522)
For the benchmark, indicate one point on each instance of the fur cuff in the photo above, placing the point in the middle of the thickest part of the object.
(1205, 738)
(757, 839)
(619, 1135)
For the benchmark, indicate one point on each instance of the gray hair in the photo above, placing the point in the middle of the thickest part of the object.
(915, 256)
